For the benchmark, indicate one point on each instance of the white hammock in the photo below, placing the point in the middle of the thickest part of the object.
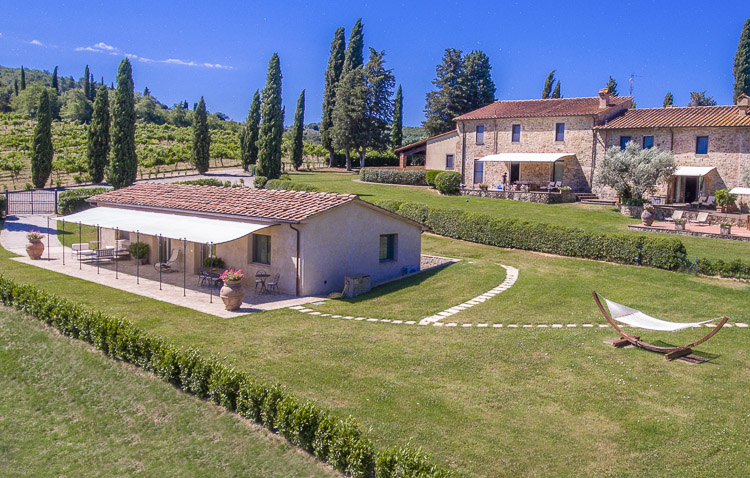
(636, 318)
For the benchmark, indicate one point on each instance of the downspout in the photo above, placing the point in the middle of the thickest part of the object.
(297, 265)
(593, 155)
(463, 154)
(671, 139)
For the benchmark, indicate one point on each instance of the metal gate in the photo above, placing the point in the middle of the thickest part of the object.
(40, 201)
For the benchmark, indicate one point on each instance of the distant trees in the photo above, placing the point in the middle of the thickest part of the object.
(27, 100)
(98, 136)
(297, 131)
(54, 80)
(668, 100)
(612, 87)
(249, 134)
(634, 172)
(397, 128)
(76, 107)
(548, 85)
(123, 167)
(23, 78)
(41, 147)
(201, 139)
(272, 123)
(87, 83)
(699, 98)
(742, 63)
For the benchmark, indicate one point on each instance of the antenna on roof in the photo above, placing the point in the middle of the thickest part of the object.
(633, 76)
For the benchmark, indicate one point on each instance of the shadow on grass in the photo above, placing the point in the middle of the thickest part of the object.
(705, 355)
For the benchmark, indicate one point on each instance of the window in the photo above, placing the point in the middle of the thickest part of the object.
(701, 145)
(449, 162)
(480, 134)
(624, 140)
(516, 133)
(261, 249)
(648, 142)
(557, 175)
(478, 172)
(387, 247)
(559, 131)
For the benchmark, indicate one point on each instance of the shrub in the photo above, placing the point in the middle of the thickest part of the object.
(260, 182)
(429, 176)
(74, 200)
(393, 176)
(737, 268)
(139, 250)
(373, 159)
(448, 182)
(288, 185)
(207, 182)
(214, 262)
(405, 462)
(3, 204)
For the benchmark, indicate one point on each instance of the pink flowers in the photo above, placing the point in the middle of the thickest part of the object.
(232, 275)
(34, 235)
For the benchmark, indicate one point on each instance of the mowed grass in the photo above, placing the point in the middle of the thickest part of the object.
(501, 402)
(588, 217)
(67, 410)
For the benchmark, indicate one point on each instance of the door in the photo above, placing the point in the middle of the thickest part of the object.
(691, 188)
(165, 249)
(515, 172)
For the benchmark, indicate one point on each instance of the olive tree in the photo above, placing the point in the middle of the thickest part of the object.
(634, 172)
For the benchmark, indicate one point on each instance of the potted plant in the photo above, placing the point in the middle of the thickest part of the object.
(140, 252)
(679, 224)
(724, 200)
(647, 216)
(725, 228)
(483, 187)
(232, 293)
(35, 247)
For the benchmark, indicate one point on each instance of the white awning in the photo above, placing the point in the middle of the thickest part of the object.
(693, 170)
(174, 226)
(743, 191)
(527, 157)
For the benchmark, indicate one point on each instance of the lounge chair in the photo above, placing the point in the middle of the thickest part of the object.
(636, 318)
(82, 251)
(558, 184)
(675, 215)
(710, 202)
(167, 266)
(699, 201)
(701, 220)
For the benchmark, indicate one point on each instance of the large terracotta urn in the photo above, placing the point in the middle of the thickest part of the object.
(232, 294)
(647, 216)
(35, 248)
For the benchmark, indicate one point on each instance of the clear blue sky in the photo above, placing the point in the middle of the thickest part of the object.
(221, 49)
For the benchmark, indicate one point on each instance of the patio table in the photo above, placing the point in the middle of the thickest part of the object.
(213, 278)
(260, 279)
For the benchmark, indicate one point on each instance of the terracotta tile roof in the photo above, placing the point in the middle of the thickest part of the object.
(549, 107)
(287, 206)
(424, 141)
(684, 117)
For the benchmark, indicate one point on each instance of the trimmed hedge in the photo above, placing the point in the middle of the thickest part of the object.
(74, 200)
(414, 177)
(663, 253)
(373, 159)
(448, 182)
(737, 268)
(339, 442)
(209, 182)
(287, 185)
(430, 175)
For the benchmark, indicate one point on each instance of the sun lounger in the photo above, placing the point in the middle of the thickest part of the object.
(676, 215)
(701, 220)
(81, 251)
(710, 202)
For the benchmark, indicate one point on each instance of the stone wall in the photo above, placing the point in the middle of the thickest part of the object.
(532, 196)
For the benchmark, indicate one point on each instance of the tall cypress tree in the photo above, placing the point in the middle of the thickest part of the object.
(123, 167)
(298, 130)
(54, 80)
(448, 100)
(272, 123)
(23, 78)
(379, 84)
(668, 100)
(480, 89)
(15, 85)
(41, 148)
(349, 115)
(201, 138)
(249, 137)
(332, 77)
(548, 84)
(612, 87)
(87, 83)
(98, 136)
(354, 56)
(742, 63)
(557, 93)
(397, 129)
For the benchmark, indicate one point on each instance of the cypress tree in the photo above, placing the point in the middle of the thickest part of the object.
(480, 89)
(15, 85)
(612, 87)
(332, 77)
(41, 148)
(548, 83)
(201, 138)
(54, 80)
(379, 84)
(557, 93)
(349, 115)
(87, 83)
(742, 63)
(98, 136)
(249, 137)
(123, 167)
(146, 91)
(23, 78)
(397, 129)
(668, 100)
(354, 56)
(448, 100)
(272, 123)
(298, 130)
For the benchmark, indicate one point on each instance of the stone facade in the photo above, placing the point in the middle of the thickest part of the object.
(528, 196)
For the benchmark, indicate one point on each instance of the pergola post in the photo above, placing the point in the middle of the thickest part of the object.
(80, 240)
(137, 257)
(184, 265)
(210, 272)
(48, 232)
(402, 160)
(63, 240)
(159, 261)
(98, 244)
(117, 235)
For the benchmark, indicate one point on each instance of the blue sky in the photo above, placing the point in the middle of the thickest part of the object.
(221, 49)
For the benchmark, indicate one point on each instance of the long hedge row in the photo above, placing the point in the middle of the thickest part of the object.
(664, 253)
(393, 176)
(74, 200)
(339, 442)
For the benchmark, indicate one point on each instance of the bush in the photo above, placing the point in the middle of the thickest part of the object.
(139, 250)
(3, 204)
(429, 176)
(448, 182)
(373, 159)
(393, 176)
(399, 462)
(207, 182)
(215, 262)
(287, 185)
(260, 182)
(737, 269)
(74, 200)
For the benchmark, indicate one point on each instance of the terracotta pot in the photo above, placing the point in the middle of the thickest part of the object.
(647, 217)
(232, 294)
(35, 248)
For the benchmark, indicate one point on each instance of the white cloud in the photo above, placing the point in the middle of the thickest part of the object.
(36, 42)
(102, 47)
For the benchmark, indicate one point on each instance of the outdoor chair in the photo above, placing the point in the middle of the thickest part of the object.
(675, 215)
(699, 201)
(167, 266)
(82, 251)
(272, 286)
(636, 318)
(558, 184)
(260, 281)
(710, 202)
(701, 220)
(550, 186)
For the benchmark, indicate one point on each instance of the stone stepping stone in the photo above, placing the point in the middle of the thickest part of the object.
(315, 313)
(336, 316)
(588, 325)
(527, 326)
(740, 324)
(542, 326)
(296, 307)
(410, 322)
(437, 324)
(398, 321)
(557, 326)
(572, 325)
(372, 320)
(481, 325)
(465, 325)
(305, 310)
(385, 320)
(513, 325)
(452, 324)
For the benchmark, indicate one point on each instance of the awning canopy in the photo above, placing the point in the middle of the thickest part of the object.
(742, 191)
(693, 170)
(526, 157)
(174, 226)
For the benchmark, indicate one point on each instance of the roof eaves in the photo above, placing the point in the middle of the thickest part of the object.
(186, 212)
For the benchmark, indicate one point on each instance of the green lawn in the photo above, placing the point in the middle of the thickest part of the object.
(67, 410)
(498, 402)
(584, 216)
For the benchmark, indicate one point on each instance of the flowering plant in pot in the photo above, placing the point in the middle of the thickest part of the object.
(232, 293)
(232, 275)
(679, 224)
(35, 247)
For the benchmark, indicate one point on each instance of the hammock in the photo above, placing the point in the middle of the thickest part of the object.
(636, 318)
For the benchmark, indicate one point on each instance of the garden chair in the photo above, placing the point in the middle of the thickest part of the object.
(82, 251)
(550, 186)
(167, 266)
(272, 286)
(699, 201)
(636, 318)
(675, 215)
(701, 219)
(710, 202)
(558, 184)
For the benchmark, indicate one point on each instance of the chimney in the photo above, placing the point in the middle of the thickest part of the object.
(604, 98)
(743, 102)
